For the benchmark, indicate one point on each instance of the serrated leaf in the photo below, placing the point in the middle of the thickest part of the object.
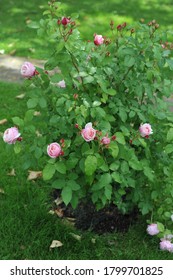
(108, 191)
(120, 138)
(48, 171)
(60, 167)
(170, 135)
(90, 165)
(66, 194)
(114, 150)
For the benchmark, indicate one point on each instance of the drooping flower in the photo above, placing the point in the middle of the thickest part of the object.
(152, 229)
(98, 40)
(166, 245)
(88, 133)
(145, 130)
(28, 70)
(11, 135)
(54, 150)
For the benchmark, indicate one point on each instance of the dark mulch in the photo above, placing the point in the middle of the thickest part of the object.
(108, 219)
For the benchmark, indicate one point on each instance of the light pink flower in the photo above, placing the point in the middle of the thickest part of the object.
(145, 130)
(65, 20)
(88, 133)
(11, 135)
(98, 40)
(166, 245)
(54, 150)
(61, 84)
(105, 140)
(152, 229)
(28, 70)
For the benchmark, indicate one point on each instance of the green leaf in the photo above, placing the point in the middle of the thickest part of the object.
(59, 184)
(32, 103)
(17, 148)
(161, 227)
(90, 165)
(148, 173)
(33, 24)
(18, 121)
(66, 194)
(129, 61)
(42, 102)
(120, 138)
(73, 185)
(96, 104)
(48, 171)
(169, 148)
(60, 167)
(108, 191)
(135, 164)
(111, 92)
(116, 177)
(105, 180)
(114, 150)
(29, 115)
(170, 135)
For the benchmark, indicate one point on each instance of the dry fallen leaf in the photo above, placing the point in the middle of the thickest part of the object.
(3, 121)
(12, 173)
(33, 175)
(93, 240)
(75, 236)
(38, 134)
(58, 201)
(59, 212)
(20, 96)
(2, 191)
(56, 244)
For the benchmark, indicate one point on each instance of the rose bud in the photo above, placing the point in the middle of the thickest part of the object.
(119, 27)
(28, 70)
(11, 135)
(88, 133)
(98, 40)
(105, 140)
(65, 21)
(54, 150)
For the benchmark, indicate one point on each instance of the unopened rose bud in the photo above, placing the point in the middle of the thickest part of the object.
(19, 139)
(113, 137)
(130, 141)
(132, 30)
(36, 72)
(156, 25)
(58, 21)
(153, 21)
(62, 141)
(119, 27)
(76, 125)
(124, 24)
(70, 31)
(73, 23)
(65, 21)
(75, 96)
(142, 20)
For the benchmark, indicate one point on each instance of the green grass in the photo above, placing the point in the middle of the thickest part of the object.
(94, 17)
(26, 227)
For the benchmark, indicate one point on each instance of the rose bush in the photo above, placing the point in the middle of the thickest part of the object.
(106, 105)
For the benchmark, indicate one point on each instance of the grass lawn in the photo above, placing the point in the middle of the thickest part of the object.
(26, 227)
(94, 17)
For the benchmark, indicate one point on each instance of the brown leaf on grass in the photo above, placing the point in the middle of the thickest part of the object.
(2, 191)
(20, 96)
(59, 212)
(3, 121)
(33, 175)
(58, 201)
(12, 173)
(56, 244)
(76, 236)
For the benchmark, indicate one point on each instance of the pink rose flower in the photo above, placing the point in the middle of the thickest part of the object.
(65, 21)
(152, 229)
(145, 130)
(61, 84)
(166, 245)
(105, 140)
(11, 135)
(88, 133)
(54, 150)
(98, 40)
(28, 70)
